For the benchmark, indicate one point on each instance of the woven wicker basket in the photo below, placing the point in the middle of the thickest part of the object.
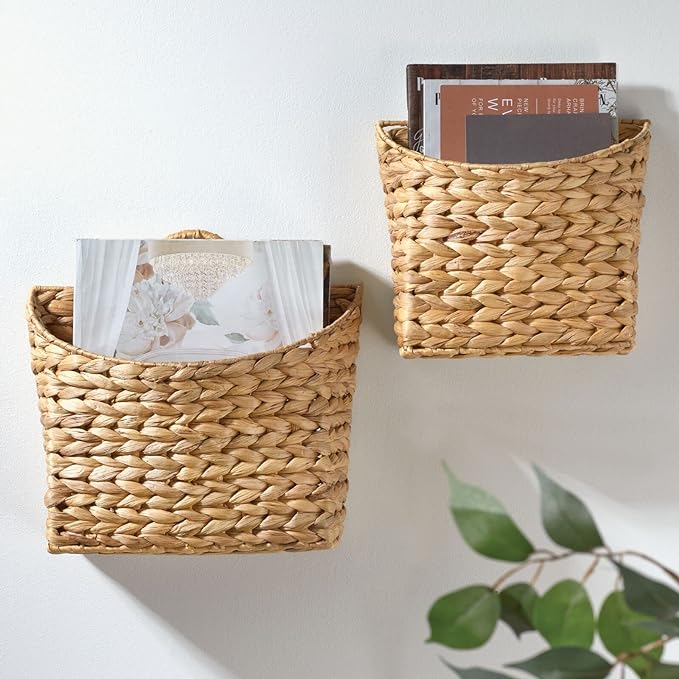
(491, 260)
(238, 455)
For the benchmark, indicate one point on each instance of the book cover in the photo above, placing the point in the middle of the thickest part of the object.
(194, 300)
(431, 99)
(529, 139)
(417, 73)
(458, 102)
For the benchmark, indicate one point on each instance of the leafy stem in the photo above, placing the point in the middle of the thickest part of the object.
(634, 622)
(540, 560)
(538, 573)
(640, 555)
(590, 570)
(644, 650)
(543, 556)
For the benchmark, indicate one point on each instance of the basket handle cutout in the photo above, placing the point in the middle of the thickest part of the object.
(201, 234)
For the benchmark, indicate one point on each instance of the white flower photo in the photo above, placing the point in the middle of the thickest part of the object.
(158, 315)
(192, 300)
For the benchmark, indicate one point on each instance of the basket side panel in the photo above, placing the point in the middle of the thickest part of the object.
(241, 456)
(504, 260)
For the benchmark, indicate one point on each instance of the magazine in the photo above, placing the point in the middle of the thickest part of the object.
(194, 300)
(605, 101)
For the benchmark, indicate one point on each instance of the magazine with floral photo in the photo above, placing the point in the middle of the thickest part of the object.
(193, 300)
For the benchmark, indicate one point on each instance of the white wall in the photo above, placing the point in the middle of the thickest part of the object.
(254, 119)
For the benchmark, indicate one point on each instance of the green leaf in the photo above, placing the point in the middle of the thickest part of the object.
(648, 596)
(565, 663)
(202, 310)
(565, 517)
(484, 523)
(474, 672)
(466, 618)
(620, 634)
(518, 602)
(668, 628)
(564, 615)
(661, 671)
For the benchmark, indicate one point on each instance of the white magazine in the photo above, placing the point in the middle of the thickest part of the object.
(193, 300)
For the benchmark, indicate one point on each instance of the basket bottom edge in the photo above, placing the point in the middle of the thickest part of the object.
(566, 350)
(94, 550)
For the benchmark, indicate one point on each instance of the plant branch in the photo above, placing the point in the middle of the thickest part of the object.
(508, 574)
(543, 556)
(537, 574)
(540, 560)
(647, 648)
(590, 570)
(640, 555)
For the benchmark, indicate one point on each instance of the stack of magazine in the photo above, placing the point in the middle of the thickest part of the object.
(196, 300)
(511, 113)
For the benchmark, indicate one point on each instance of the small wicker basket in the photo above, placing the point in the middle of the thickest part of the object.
(491, 260)
(238, 455)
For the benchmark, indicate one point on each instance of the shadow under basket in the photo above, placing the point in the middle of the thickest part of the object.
(532, 259)
(239, 455)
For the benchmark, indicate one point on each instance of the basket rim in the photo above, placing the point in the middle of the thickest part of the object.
(35, 320)
(644, 132)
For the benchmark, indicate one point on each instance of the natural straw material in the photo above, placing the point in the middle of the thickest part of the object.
(539, 258)
(239, 455)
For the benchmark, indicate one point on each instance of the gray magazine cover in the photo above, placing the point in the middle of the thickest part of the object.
(533, 138)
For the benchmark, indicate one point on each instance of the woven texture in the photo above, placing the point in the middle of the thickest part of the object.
(239, 455)
(493, 260)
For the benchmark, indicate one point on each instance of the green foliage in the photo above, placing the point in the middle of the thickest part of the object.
(466, 618)
(620, 633)
(668, 628)
(661, 671)
(565, 663)
(648, 596)
(634, 624)
(474, 672)
(564, 615)
(484, 523)
(566, 518)
(517, 603)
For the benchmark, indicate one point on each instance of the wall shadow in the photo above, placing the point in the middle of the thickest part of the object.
(659, 233)
(258, 615)
(252, 614)
(378, 298)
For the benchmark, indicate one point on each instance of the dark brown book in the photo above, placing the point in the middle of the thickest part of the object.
(416, 73)
(534, 138)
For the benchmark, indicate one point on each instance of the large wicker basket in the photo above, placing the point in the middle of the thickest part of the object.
(491, 260)
(239, 455)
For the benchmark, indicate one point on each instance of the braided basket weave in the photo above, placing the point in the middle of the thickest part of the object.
(238, 455)
(491, 260)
